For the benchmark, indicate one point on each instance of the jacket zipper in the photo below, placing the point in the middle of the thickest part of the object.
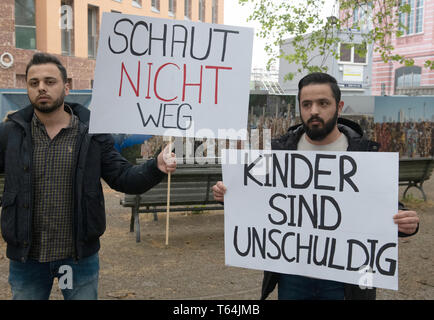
(79, 149)
(30, 216)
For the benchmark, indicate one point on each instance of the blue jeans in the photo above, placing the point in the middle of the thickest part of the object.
(294, 287)
(33, 280)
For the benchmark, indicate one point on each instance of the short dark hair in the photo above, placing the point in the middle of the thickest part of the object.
(43, 58)
(320, 78)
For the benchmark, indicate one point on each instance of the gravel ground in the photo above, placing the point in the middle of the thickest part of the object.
(193, 266)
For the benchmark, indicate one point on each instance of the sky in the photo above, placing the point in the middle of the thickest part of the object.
(236, 15)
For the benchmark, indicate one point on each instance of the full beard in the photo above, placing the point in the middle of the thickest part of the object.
(48, 108)
(317, 133)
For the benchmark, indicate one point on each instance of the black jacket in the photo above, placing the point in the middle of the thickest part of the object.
(356, 142)
(95, 158)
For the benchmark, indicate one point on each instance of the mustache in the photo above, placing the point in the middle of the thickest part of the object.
(315, 118)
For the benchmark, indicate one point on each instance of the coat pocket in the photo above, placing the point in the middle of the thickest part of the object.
(9, 218)
(94, 216)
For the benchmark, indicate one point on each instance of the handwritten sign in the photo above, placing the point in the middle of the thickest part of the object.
(325, 215)
(171, 78)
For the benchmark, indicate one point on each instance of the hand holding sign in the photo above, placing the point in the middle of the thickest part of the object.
(166, 160)
(407, 221)
(218, 191)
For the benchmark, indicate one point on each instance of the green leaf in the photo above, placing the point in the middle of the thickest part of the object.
(284, 19)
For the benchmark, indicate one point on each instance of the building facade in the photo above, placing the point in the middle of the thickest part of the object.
(70, 29)
(352, 71)
(370, 75)
(417, 42)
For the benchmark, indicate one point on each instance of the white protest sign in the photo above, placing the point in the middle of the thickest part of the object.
(170, 77)
(325, 215)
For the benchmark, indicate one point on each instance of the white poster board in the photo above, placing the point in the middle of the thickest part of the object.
(325, 215)
(170, 77)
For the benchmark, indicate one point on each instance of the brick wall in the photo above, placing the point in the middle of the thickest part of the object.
(7, 40)
(80, 70)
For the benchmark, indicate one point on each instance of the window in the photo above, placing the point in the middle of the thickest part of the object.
(355, 53)
(187, 9)
(25, 26)
(360, 53)
(402, 18)
(355, 16)
(92, 30)
(66, 27)
(214, 11)
(410, 18)
(172, 8)
(412, 21)
(419, 16)
(345, 52)
(362, 17)
(407, 77)
(201, 10)
(155, 4)
(137, 3)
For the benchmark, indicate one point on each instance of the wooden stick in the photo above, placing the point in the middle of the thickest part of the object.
(168, 208)
(169, 175)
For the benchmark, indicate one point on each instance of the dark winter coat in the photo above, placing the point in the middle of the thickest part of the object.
(95, 158)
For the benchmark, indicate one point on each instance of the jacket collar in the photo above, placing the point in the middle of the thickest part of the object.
(354, 133)
(24, 116)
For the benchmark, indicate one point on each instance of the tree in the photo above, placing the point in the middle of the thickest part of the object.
(315, 34)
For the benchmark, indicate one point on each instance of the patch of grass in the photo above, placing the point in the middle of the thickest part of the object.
(410, 201)
(410, 198)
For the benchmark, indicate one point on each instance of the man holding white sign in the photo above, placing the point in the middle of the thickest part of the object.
(320, 133)
(53, 210)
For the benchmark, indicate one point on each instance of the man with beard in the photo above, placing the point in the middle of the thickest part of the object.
(53, 205)
(321, 129)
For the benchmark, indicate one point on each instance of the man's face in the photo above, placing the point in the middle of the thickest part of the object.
(45, 87)
(318, 110)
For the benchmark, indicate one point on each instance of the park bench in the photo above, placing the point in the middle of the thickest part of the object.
(414, 172)
(190, 190)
